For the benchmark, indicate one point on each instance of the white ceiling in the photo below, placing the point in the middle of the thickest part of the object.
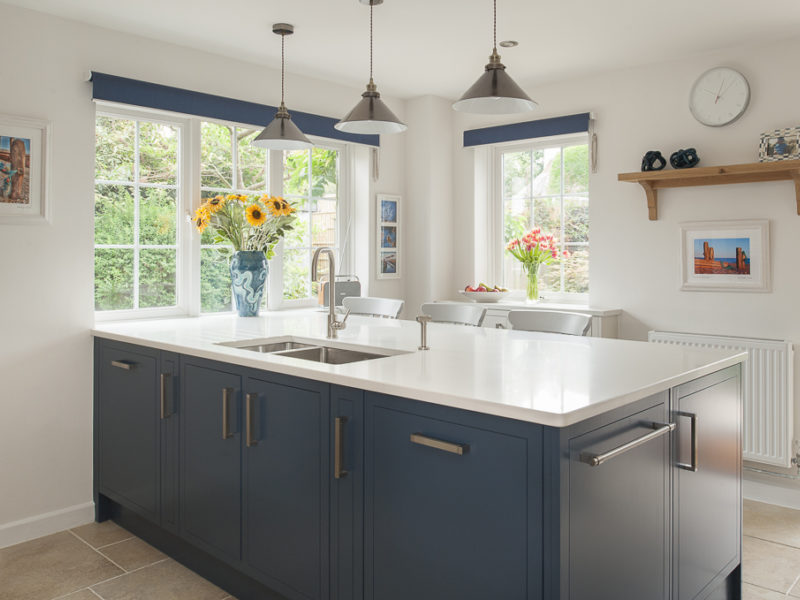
(440, 46)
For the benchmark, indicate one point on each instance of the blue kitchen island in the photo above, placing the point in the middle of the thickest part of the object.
(498, 464)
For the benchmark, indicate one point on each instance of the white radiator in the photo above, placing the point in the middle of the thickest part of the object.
(768, 391)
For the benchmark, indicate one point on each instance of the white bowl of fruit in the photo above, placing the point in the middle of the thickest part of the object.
(484, 293)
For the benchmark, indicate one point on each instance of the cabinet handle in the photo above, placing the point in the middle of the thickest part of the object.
(338, 447)
(692, 466)
(595, 460)
(424, 440)
(248, 419)
(123, 364)
(165, 379)
(226, 400)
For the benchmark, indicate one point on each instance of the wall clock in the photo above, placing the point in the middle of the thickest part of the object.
(719, 96)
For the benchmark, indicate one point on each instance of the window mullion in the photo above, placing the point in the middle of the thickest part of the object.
(563, 221)
(136, 198)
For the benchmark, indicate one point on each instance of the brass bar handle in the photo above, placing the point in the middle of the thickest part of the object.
(338, 447)
(595, 460)
(692, 466)
(250, 438)
(165, 379)
(424, 440)
(123, 364)
(226, 401)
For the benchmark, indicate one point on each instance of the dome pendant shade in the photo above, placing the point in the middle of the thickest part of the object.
(495, 93)
(371, 116)
(282, 134)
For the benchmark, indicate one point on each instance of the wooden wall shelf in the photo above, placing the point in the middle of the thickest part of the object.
(652, 181)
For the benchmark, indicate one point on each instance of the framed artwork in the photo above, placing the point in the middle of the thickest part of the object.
(24, 163)
(725, 256)
(780, 144)
(387, 236)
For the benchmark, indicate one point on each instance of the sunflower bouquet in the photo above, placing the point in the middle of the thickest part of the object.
(246, 222)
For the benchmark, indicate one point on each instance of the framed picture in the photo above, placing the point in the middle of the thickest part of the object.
(780, 144)
(24, 160)
(388, 236)
(725, 256)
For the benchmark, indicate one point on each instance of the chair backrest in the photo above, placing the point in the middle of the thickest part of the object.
(550, 321)
(373, 307)
(460, 313)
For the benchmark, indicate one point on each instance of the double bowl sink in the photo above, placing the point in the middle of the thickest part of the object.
(313, 350)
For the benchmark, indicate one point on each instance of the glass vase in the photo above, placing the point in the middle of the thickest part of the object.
(532, 291)
(248, 276)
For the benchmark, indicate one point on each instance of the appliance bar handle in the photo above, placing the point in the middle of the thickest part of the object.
(248, 417)
(226, 401)
(123, 364)
(692, 466)
(338, 448)
(595, 460)
(424, 440)
(165, 379)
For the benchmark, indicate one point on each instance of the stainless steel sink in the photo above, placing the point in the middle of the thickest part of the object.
(276, 347)
(311, 349)
(329, 355)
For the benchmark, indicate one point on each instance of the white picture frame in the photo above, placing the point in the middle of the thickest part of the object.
(24, 192)
(387, 236)
(730, 256)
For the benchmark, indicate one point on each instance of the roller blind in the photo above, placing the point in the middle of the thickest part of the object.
(527, 130)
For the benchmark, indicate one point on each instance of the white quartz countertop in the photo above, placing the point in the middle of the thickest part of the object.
(541, 378)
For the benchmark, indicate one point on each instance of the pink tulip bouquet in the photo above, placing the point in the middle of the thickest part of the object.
(533, 250)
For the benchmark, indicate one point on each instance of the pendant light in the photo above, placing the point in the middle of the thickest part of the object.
(495, 92)
(282, 134)
(371, 115)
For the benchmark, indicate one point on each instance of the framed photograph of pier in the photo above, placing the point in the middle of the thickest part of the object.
(725, 256)
(388, 236)
(24, 160)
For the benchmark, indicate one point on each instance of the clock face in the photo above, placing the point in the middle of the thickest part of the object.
(719, 96)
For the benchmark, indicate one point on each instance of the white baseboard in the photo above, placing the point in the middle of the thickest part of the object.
(774, 491)
(39, 525)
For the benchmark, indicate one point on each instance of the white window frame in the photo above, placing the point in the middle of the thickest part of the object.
(182, 241)
(344, 227)
(189, 198)
(496, 212)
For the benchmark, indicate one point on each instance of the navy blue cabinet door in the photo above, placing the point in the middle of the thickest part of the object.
(285, 525)
(707, 489)
(347, 493)
(210, 507)
(127, 402)
(447, 506)
(618, 524)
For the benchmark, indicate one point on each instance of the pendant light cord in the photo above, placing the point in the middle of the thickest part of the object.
(494, 38)
(370, 40)
(283, 42)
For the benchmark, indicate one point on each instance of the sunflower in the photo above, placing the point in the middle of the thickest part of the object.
(232, 197)
(255, 215)
(201, 218)
(278, 206)
(214, 204)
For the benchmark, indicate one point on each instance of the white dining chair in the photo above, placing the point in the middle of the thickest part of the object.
(550, 321)
(459, 313)
(388, 308)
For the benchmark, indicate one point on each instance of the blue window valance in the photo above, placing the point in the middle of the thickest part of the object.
(152, 95)
(528, 130)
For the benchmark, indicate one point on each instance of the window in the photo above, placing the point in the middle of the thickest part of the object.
(137, 190)
(311, 184)
(546, 185)
(148, 258)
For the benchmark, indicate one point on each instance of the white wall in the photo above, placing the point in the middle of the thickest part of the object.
(635, 262)
(46, 272)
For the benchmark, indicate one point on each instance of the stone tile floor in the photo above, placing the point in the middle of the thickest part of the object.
(103, 561)
(97, 561)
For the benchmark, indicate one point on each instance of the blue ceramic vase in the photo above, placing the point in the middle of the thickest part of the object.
(248, 277)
